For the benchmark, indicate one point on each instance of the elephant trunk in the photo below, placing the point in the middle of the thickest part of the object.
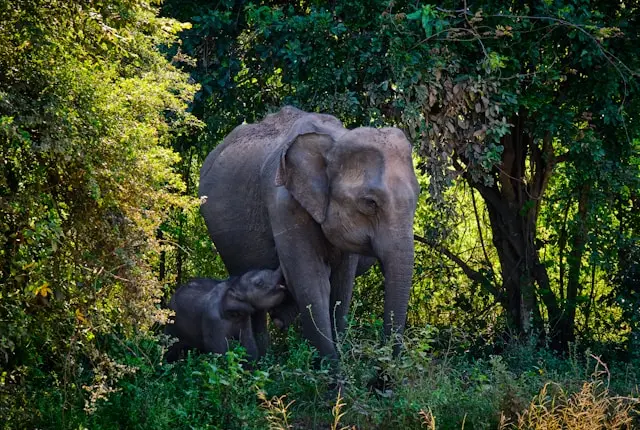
(397, 267)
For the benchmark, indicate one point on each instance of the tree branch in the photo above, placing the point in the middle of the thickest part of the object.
(484, 248)
(474, 275)
(490, 194)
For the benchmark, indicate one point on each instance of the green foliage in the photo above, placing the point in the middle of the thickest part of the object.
(378, 391)
(525, 122)
(88, 110)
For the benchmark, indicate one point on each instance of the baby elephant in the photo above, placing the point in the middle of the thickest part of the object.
(209, 313)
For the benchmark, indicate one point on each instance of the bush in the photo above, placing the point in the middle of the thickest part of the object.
(88, 110)
(424, 387)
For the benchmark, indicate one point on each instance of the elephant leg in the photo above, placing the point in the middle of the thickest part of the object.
(174, 351)
(248, 341)
(343, 273)
(313, 302)
(307, 277)
(364, 264)
(303, 252)
(216, 334)
(260, 332)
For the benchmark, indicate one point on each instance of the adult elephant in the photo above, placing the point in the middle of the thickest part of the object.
(301, 191)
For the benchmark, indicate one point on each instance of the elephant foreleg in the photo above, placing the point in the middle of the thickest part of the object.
(313, 302)
(307, 277)
(248, 340)
(364, 264)
(215, 335)
(303, 253)
(343, 273)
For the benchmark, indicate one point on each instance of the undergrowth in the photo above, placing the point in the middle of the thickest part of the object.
(427, 386)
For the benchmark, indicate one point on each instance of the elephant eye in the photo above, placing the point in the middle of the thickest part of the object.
(368, 205)
(236, 315)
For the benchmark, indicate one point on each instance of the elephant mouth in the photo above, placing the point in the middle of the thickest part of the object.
(365, 248)
(355, 248)
(344, 242)
(275, 298)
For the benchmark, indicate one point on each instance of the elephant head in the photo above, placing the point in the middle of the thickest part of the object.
(360, 186)
(257, 289)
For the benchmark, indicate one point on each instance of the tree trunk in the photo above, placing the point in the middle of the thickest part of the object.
(574, 259)
(515, 252)
(513, 204)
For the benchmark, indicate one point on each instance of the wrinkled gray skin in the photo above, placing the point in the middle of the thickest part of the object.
(209, 313)
(285, 313)
(301, 191)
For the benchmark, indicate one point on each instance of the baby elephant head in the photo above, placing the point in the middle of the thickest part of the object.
(257, 289)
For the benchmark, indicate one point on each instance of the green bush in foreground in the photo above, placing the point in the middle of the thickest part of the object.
(423, 388)
(89, 108)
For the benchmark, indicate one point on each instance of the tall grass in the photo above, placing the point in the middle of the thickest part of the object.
(431, 385)
(592, 407)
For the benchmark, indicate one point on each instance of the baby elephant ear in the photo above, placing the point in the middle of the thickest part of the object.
(303, 166)
(233, 306)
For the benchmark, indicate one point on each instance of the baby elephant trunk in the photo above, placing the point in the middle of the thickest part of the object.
(278, 276)
(268, 291)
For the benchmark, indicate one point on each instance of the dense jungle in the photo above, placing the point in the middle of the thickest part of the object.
(524, 119)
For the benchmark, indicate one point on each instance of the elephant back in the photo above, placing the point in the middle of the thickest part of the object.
(249, 143)
(232, 190)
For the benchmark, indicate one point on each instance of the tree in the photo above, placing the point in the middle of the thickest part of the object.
(88, 109)
(531, 104)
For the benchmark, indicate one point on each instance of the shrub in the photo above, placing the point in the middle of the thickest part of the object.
(88, 109)
(422, 388)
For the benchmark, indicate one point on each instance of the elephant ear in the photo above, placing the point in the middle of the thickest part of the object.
(303, 165)
(234, 305)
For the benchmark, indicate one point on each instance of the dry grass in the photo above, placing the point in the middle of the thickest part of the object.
(427, 419)
(593, 407)
(337, 413)
(278, 413)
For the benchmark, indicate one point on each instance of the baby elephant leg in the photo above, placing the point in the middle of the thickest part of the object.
(218, 334)
(285, 313)
(249, 342)
(259, 335)
(215, 332)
